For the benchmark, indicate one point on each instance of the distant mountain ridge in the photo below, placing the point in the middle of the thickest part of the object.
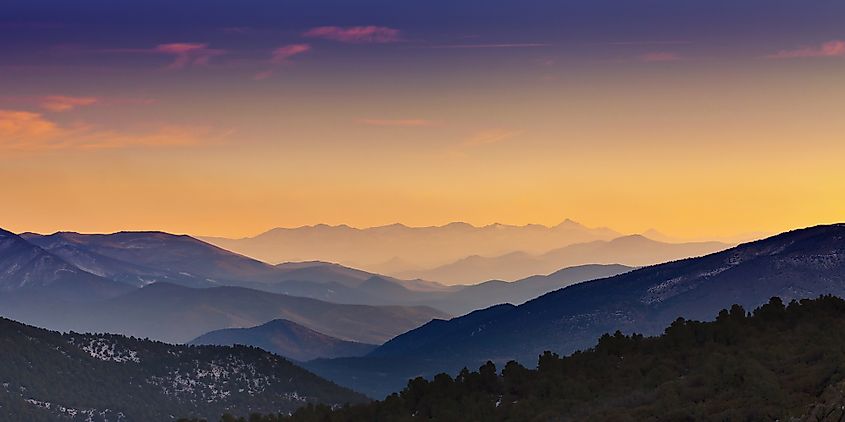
(633, 250)
(798, 264)
(398, 247)
(177, 314)
(137, 259)
(141, 258)
(122, 261)
(286, 338)
(464, 299)
(28, 269)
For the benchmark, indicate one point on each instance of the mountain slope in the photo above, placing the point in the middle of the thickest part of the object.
(286, 338)
(633, 250)
(178, 314)
(798, 264)
(49, 376)
(26, 269)
(142, 258)
(777, 363)
(479, 296)
(400, 248)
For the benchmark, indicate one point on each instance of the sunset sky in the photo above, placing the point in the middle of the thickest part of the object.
(701, 119)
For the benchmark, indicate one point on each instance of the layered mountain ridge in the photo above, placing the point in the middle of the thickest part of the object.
(798, 264)
(396, 248)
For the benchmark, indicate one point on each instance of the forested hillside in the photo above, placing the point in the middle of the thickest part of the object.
(777, 363)
(48, 376)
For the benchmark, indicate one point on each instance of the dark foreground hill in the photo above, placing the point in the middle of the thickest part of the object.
(798, 264)
(779, 363)
(288, 339)
(48, 376)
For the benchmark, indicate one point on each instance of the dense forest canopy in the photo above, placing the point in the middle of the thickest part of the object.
(778, 362)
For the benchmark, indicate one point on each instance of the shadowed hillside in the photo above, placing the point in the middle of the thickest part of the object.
(798, 264)
(48, 376)
(286, 338)
(779, 363)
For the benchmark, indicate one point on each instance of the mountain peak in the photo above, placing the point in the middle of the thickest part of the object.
(569, 223)
(459, 225)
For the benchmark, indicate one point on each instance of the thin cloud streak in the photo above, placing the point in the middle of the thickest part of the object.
(506, 45)
(61, 103)
(645, 43)
(397, 122)
(356, 34)
(25, 131)
(480, 139)
(833, 48)
(184, 54)
(490, 136)
(188, 54)
(282, 55)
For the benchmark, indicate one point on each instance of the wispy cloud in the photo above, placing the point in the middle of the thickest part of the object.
(184, 54)
(479, 139)
(282, 55)
(502, 45)
(188, 54)
(660, 56)
(397, 122)
(833, 48)
(60, 103)
(658, 42)
(356, 34)
(26, 131)
(490, 136)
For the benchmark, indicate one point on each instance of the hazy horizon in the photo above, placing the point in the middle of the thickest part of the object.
(229, 121)
(650, 232)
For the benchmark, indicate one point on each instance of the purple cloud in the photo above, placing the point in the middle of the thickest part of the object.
(833, 48)
(282, 55)
(356, 34)
(188, 54)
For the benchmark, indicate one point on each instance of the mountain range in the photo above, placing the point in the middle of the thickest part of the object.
(141, 258)
(463, 299)
(634, 250)
(397, 248)
(137, 259)
(177, 288)
(27, 269)
(178, 314)
(798, 264)
(48, 376)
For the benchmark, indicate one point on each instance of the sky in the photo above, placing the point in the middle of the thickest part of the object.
(702, 119)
